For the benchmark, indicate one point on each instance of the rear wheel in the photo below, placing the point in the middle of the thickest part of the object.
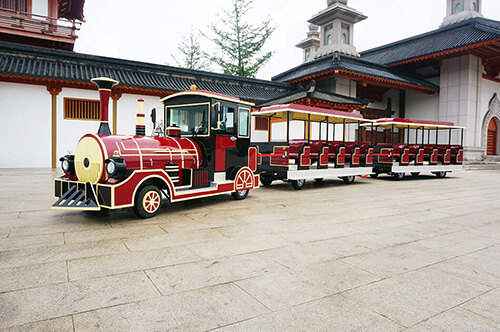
(399, 176)
(240, 194)
(298, 184)
(415, 174)
(348, 179)
(148, 202)
(374, 175)
(266, 180)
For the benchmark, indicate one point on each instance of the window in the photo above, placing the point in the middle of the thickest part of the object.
(328, 34)
(344, 39)
(458, 8)
(345, 33)
(261, 123)
(474, 7)
(227, 118)
(192, 119)
(243, 121)
(81, 109)
(17, 5)
(307, 55)
(329, 39)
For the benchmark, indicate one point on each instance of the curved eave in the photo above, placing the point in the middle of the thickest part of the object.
(367, 78)
(444, 54)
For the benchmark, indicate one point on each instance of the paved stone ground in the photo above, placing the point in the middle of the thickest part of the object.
(378, 255)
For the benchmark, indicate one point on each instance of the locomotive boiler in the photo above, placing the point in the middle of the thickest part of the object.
(203, 151)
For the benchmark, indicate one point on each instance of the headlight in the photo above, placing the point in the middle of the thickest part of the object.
(115, 167)
(68, 164)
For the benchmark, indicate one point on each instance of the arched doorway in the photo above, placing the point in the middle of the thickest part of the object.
(491, 146)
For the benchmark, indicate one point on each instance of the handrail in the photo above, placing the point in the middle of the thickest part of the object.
(31, 22)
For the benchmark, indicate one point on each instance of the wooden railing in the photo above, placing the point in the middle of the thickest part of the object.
(46, 25)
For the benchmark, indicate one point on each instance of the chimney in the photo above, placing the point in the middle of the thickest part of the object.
(140, 128)
(104, 84)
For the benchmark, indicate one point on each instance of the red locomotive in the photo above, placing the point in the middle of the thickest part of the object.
(204, 151)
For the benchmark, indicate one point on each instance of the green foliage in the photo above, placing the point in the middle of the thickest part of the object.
(192, 55)
(239, 43)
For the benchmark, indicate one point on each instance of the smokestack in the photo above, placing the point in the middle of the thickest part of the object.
(104, 84)
(140, 128)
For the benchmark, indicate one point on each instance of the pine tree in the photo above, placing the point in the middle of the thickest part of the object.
(192, 55)
(239, 43)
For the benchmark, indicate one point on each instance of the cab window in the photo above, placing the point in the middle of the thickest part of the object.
(243, 123)
(191, 119)
(227, 118)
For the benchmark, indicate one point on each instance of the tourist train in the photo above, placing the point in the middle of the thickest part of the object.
(205, 149)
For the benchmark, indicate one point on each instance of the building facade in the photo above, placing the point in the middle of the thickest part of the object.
(448, 74)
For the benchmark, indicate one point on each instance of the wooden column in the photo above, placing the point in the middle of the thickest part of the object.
(115, 96)
(54, 91)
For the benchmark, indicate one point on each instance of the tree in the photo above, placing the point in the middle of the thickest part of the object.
(240, 43)
(192, 55)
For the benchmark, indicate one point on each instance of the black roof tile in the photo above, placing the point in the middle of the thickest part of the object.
(465, 33)
(38, 62)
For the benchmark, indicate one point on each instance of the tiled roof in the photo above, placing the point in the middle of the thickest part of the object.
(455, 36)
(350, 64)
(317, 94)
(41, 63)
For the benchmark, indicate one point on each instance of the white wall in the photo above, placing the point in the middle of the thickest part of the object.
(25, 115)
(40, 7)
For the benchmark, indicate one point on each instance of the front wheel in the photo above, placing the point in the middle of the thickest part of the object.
(348, 179)
(148, 202)
(298, 184)
(240, 194)
(440, 175)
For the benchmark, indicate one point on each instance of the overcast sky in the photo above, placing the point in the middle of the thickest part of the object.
(150, 30)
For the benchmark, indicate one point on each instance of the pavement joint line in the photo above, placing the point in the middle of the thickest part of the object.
(476, 313)
(147, 275)
(122, 240)
(253, 297)
(67, 271)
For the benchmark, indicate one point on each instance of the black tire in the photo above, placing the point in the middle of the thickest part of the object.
(266, 180)
(241, 194)
(319, 179)
(415, 174)
(398, 176)
(440, 175)
(348, 179)
(374, 175)
(298, 184)
(148, 202)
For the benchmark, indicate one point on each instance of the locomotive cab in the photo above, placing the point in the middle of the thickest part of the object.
(220, 126)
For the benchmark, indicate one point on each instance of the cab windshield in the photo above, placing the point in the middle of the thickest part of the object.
(191, 119)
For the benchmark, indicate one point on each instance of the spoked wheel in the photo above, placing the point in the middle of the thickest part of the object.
(318, 179)
(241, 194)
(148, 202)
(399, 176)
(266, 180)
(374, 175)
(415, 174)
(298, 184)
(348, 179)
(440, 174)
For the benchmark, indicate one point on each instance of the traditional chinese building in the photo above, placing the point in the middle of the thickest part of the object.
(450, 74)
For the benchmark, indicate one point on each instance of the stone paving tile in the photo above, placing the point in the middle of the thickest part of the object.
(196, 275)
(60, 253)
(278, 291)
(198, 310)
(454, 245)
(310, 253)
(31, 276)
(415, 296)
(319, 232)
(87, 268)
(64, 299)
(457, 320)
(480, 266)
(173, 239)
(236, 231)
(331, 314)
(395, 260)
(231, 247)
(59, 227)
(63, 324)
(385, 237)
(13, 243)
(486, 305)
(113, 233)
